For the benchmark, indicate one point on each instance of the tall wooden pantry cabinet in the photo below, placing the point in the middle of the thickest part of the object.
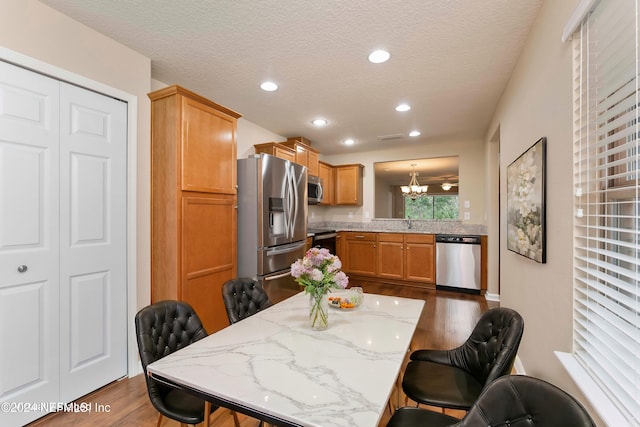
(193, 201)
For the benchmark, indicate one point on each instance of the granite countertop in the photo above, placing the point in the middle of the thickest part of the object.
(405, 226)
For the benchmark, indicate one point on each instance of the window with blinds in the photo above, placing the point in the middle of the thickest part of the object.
(606, 232)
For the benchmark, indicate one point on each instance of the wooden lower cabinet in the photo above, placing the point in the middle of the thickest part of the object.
(360, 253)
(192, 259)
(208, 256)
(341, 249)
(391, 256)
(396, 257)
(420, 258)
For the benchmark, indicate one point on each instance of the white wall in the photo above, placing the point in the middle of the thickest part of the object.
(250, 134)
(537, 103)
(45, 36)
(471, 170)
(383, 199)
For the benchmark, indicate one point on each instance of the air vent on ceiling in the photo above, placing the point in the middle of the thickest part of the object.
(392, 136)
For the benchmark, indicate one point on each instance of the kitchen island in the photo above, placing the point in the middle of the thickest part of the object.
(274, 367)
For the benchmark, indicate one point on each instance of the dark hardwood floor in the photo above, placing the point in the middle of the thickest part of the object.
(446, 322)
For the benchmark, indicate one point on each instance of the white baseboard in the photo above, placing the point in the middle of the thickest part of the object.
(519, 367)
(134, 371)
(492, 297)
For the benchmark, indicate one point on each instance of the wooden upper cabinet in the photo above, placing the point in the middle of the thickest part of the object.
(305, 155)
(348, 184)
(325, 172)
(276, 149)
(312, 162)
(207, 138)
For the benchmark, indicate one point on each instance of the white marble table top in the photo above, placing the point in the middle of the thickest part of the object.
(274, 364)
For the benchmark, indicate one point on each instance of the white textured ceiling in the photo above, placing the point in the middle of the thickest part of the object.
(450, 60)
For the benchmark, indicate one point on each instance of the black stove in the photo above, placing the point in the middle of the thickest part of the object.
(323, 238)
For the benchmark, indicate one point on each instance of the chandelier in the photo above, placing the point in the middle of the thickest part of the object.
(414, 189)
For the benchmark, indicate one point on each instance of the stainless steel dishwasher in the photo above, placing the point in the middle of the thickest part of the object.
(458, 261)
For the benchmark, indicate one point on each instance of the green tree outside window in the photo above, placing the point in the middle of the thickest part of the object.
(431, 207)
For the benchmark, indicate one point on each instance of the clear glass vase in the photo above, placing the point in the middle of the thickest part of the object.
(318, 312)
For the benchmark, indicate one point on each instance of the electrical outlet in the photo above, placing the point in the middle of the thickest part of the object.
(467, 204)
(467, 216)
(350, 215)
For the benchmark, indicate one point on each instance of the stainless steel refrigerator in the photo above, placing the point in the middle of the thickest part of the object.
(272, 221)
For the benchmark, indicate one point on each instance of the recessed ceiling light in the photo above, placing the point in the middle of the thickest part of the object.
(403, 107)
(349, 141)
(319, 122)
(269, 86)
(414, 133)
(379, 56)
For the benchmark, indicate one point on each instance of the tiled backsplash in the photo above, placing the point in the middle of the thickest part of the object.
(405, 226)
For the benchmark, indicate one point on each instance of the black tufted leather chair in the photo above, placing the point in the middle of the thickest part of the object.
(161, 329)
(455, 378)
(511, 400)
(243, 298)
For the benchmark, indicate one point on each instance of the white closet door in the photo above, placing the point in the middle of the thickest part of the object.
(93, 304)
(63, 306)
(29, 246)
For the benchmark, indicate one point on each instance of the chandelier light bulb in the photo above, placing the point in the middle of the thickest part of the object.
(414, 189)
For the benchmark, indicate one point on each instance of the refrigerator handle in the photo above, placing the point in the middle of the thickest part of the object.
(278, 276)
(285, 203)
(294, 202)
(286, 249)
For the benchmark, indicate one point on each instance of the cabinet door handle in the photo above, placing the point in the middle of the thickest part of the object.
(22, 268)
(359, 237)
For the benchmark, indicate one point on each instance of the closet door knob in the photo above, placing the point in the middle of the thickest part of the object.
(22, 268)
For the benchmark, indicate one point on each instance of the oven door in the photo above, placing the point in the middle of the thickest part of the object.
(326, 241)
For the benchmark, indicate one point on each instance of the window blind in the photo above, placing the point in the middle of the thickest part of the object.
(606, 232)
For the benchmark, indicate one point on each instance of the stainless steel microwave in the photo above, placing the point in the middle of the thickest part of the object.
(314, 190)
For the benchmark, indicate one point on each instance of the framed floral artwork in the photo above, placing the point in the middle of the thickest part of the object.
(526, 216)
